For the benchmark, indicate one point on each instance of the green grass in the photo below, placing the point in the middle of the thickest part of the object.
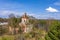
(7, 37)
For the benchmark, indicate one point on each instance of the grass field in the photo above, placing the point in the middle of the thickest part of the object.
(7, 37)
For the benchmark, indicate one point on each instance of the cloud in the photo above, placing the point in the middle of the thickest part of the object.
(50, 9)
(6, 13)
(57, 3)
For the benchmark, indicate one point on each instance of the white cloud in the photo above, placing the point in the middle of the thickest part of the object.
(50, 9)
(7, 12)
(57, 3)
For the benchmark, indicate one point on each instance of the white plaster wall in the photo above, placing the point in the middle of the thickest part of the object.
(24, 20)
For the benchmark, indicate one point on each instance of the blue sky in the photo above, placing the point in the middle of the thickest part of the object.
(42, 9)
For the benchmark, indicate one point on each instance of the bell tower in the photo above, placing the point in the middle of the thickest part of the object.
(24, 18)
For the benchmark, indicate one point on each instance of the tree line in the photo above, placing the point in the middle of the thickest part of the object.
(52, 27)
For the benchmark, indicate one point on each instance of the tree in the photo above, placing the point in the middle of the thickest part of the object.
(54, 33)
(13, 22)
(0, 30)
(3, 30)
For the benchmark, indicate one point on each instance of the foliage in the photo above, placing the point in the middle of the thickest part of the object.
(7, 37)
(37, 33)
(54, 33)
(13, 22)
(3, 30)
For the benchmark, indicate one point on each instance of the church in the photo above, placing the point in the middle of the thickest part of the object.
(25, 25)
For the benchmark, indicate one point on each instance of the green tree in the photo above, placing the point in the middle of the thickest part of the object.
(54, 33)
(3, 30)
(13, 22)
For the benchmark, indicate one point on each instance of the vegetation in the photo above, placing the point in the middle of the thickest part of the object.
(54, 33)
(42, 29)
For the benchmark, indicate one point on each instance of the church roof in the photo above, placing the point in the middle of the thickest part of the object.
(25, 16)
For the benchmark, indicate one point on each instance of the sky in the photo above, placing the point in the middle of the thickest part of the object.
(41, 9)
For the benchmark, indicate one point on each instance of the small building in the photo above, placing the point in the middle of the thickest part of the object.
(25, 19)
(25, 25)
(3, 23)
